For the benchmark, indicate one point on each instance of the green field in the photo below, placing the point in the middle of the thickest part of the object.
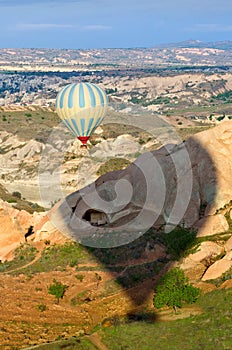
(207, 331)
(29, 124)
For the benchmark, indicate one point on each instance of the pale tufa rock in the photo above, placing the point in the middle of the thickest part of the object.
(228, 245)
(211, 225)
(217, 269)
(192, 269)
(206, 251)
(196, 263)
(14, 224)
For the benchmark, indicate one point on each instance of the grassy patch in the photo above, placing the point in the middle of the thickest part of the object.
(185, 133)
(226, 276)
(112, 165)
(138, 273)
(56, 258)
(122, 254)
(111, 287)
(69, 344)
(208, 331)
(113, 130)
(179, 241)
(215, 107)
(29, 124)
(24, 254)
(19, 203)
(80, 298)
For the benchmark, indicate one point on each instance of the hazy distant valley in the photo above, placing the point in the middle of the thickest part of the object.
(181, 54)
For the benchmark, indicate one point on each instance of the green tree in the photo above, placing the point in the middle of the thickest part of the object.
(57, 289)
(173, 289)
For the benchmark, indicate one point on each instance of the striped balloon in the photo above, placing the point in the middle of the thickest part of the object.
(81, 107)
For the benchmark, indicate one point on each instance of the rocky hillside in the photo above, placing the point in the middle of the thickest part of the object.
(23, 154)
(205, 207)
(176, 184)
(107, 283)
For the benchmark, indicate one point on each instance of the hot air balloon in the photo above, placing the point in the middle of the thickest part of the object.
(82, 108)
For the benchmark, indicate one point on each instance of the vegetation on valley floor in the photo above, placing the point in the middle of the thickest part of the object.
(205, 331)
(209, 328)
(215, 318)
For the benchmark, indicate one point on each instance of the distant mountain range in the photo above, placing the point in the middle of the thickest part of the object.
(222, 45)
(185, 53)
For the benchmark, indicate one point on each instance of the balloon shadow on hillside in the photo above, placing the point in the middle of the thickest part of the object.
(137, 255)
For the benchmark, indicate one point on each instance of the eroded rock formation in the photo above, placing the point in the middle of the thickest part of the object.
(177, 184)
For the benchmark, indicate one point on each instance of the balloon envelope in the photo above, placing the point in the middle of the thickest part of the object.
(81, 107)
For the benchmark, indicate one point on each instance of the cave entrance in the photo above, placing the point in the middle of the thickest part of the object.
(95, 217)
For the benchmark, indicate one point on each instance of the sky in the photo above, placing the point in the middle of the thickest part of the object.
(87, 24)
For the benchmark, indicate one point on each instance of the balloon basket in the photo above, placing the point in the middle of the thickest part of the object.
(84, 140)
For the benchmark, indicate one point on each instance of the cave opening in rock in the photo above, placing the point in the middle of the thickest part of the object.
(95, 217)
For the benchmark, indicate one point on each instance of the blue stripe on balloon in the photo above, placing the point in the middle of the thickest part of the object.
(92, 95)
(67, 124)
(97, 123)
(75, 126)
(81, 96)
(100, 93)
(90, 125)
(70, 96)
(57, 101)
(63, 95)
(82, 120)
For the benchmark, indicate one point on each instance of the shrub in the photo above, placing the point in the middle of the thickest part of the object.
(57, 289)
(220, 118)
(79, 277)
(73, 262)
(41, 307)
(80, 298)
(17, 194)
(141, 141)
(179, 240)
(173, 289)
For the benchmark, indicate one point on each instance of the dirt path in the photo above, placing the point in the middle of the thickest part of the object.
(96, 340)
(24, 266)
